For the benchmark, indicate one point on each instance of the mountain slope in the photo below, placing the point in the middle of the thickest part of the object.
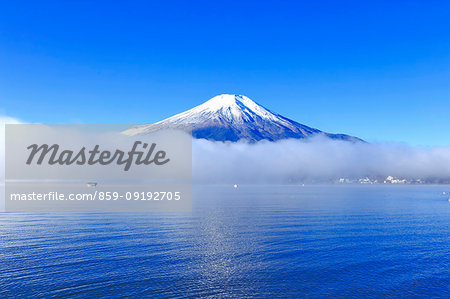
(230, 117)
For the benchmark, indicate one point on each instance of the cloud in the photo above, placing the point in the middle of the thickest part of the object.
(316, 159)
(3, 121)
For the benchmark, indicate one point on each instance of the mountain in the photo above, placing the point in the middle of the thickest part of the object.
(230, 117)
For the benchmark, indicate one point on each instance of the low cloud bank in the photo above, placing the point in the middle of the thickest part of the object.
(317, 160)
(3, 121)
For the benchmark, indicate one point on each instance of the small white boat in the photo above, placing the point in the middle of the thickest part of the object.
(91, 184)
(235, 186)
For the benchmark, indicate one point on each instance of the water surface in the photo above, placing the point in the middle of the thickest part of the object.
(254, 241)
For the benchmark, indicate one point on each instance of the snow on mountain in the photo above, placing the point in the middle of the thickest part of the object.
(230, 117)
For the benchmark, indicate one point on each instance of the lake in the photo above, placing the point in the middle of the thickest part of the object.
(253, 241)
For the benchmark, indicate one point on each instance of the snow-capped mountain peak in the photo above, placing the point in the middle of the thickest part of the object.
(230, 117)
(229, 107)
(236, 105)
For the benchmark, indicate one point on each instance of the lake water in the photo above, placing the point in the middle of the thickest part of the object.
(254, 241)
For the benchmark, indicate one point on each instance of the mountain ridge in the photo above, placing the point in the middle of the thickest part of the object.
(231, 117)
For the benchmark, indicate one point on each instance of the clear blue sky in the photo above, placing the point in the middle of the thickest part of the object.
(379, 70)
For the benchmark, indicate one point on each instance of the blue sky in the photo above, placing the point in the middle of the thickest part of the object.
(378, 70)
